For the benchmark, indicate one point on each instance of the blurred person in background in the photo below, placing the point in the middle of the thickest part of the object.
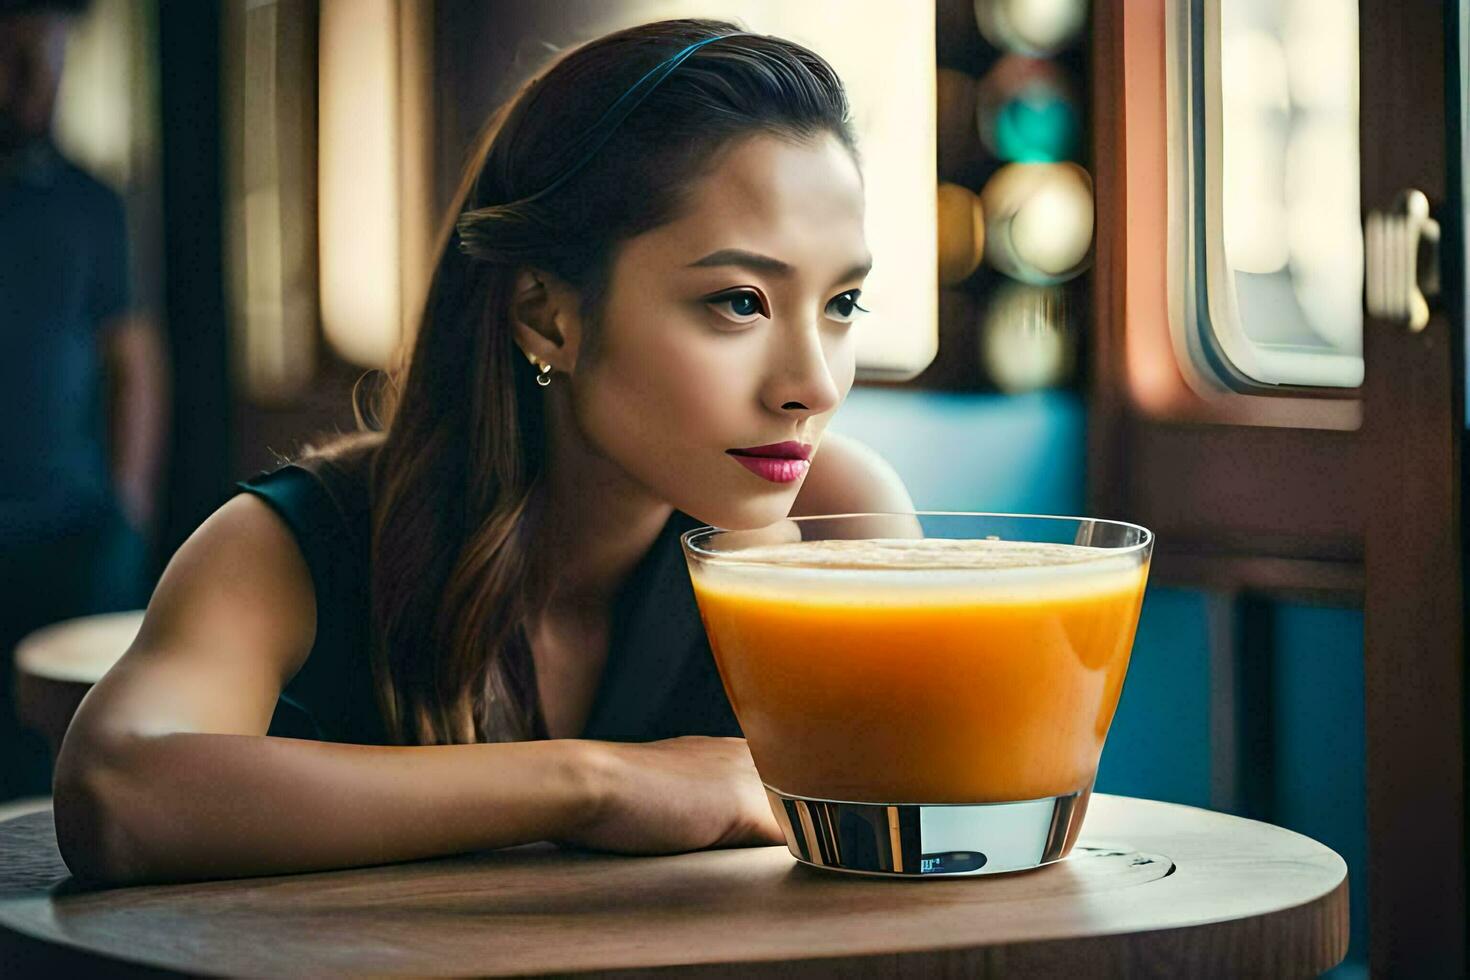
(83, 398)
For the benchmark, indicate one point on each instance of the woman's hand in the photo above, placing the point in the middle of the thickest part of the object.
(676, 794)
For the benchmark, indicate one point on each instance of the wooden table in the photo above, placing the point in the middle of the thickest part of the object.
(1153, 889)
(57, 664)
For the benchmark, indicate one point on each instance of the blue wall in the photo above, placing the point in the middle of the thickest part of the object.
(1025, 454)
(1321, 777)
(1159, 745)
(1015, 454)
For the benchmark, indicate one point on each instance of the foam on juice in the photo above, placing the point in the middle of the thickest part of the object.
(932, 570)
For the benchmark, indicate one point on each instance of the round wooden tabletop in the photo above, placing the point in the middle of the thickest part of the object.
(79, 650)
(1153, 888)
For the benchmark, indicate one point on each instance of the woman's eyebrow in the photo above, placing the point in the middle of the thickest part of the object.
(765, 263)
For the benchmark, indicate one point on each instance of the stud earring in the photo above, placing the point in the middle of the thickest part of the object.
(543, 377)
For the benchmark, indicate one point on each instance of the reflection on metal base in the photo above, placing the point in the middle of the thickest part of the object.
(922, 839)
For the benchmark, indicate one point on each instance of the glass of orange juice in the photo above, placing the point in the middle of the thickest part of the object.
(924, 693)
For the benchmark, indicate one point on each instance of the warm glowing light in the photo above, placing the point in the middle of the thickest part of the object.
(961, 233)
(1038, 221)
(1026, 341)
(1032, 27)
(270, 225)
(361, 260)
(102, 116)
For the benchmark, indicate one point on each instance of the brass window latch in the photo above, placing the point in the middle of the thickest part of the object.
(1401, 255)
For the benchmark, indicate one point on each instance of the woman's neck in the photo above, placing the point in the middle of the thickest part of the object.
(596, 522)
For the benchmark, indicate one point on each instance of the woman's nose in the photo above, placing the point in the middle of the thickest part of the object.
(800, 380)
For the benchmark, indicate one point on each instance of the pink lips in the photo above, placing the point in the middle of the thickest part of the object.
(779, 462)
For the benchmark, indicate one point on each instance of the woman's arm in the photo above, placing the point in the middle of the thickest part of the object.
(166, 773)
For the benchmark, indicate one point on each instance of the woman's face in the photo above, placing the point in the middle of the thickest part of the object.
(731, 329)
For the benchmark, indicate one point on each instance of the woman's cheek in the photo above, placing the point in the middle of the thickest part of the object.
(709, 392)
(842, 362)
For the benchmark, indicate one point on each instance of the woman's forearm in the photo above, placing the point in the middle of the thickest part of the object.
(191, 806)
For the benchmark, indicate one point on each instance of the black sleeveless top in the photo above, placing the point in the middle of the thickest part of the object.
(659, 681)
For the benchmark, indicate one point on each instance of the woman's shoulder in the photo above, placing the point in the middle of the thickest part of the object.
(324, 490)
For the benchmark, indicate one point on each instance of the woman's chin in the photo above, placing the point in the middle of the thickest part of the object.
(744, 515)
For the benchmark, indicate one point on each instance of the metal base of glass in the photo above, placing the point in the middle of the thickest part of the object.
(924, 839)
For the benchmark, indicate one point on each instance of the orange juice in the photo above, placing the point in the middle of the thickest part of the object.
(923, 670)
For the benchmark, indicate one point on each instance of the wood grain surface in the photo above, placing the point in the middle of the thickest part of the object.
(1153, 889)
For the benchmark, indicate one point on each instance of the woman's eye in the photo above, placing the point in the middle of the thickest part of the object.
(846, 305)
(742, 307)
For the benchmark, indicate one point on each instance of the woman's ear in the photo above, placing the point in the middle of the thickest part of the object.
(544, 315)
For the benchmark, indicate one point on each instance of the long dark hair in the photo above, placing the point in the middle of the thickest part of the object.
(456, 468)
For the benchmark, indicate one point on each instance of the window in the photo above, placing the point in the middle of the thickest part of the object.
(1265, 239)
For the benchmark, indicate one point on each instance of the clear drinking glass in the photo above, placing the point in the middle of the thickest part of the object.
(924, 693)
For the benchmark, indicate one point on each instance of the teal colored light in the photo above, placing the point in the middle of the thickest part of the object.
(1037, 130)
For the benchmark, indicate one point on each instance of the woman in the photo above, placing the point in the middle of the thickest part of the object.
(667, 226)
